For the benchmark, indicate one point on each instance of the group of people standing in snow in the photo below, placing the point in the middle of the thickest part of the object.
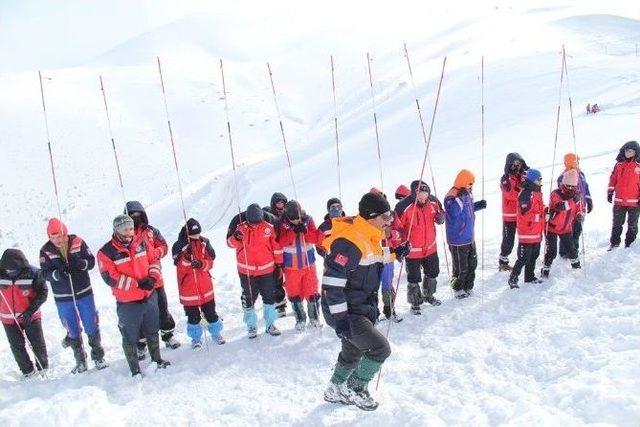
(276, 250)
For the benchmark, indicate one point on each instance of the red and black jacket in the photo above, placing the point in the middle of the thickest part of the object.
(258, 252)
(23, 288)
(531, 215)
(563, 210)
(195, 285)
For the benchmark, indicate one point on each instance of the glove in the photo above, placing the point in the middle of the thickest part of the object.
(196, 263)
(147, 283)
(238, 234)
(402, 250)
(479, 205)
(576, 197)
(77, 263)
(343, 327)
(300, 228)
(589, 205)
(506, 183)
(440, 217)
(26, 316)
(610, 197)
(560, 206)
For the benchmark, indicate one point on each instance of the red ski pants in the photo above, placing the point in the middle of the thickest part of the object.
(301, 283)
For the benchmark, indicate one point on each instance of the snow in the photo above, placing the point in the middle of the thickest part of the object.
(563, 352)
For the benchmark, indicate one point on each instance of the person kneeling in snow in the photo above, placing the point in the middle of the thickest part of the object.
(22, 291)
(460, 219)
(352, 273)
(128, 267)
(257, 255)
(193, 256)
(564, 208)
(65, 261)
(530, 222)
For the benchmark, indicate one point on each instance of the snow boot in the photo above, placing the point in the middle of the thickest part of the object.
(215, 329)
(142, 348)
(194, 331)
(429, 285)
(575, 264)
(313, 309)
(503, 264)
(281, 307)
(612, 247)
(460, 294)
(358, 381)
(273, 331)
(131, 354)
(79, 355)
(251, 320)
(414, 297)
(298, 311)
(544, 272)
(270, 316)
(534, 280)
(337, 391)
(513, 282)
(170, 341)
(97, 352)
(154, 351)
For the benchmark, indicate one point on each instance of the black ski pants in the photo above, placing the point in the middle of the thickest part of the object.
(527, 255)
(208, 309)
(575, 240)
(279, 294)
(365, 339)
(252, 286)
(508, 238)
(464, 260)
(17, 344)
(138, 319)
(167, 324)
(551, 249)
(430, 265)
(620, 213)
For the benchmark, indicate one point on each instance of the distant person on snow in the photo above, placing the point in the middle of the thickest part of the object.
(158, 249)
(460, 220)
(572, 162)
(257, 254)
(595, 108)
(530, 222)
(588, 108)
(334, 210)
(510, 184)
(297, 236)
(65, 261)
(624, 193)
(350, 283)
(22, 291)
(274, 212)
(193, 256)
(128, 266)
(420, 212)
(565, 208)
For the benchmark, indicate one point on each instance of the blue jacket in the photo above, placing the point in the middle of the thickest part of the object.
(460, 217)
(80, 261)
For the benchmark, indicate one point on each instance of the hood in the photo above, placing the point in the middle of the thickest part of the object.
(275, 198)
(136, 206)
(13, 259)
(634, 146)
(511, 157)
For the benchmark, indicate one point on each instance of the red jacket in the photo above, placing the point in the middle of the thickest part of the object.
(156, 246)
(530, 220)
(510, 185)
(423, 231)
(195, 285)
(121, 267)
(260, 246)
(17, 296)
(625, 183)
(298, 249)
(563, 210)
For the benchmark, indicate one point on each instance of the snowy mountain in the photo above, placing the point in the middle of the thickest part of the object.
(564, 352)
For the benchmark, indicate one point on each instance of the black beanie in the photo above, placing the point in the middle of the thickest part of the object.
(332, 201)
(193, 227)
(372, 205)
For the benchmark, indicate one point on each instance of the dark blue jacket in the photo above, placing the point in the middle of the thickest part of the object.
(460, 217)
(80, 261)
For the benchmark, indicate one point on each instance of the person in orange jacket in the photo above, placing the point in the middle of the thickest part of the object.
(297, 235)
(193, 257)
(624, 193)
(257, 254)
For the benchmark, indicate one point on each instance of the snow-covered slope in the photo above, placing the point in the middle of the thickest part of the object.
(565, 352)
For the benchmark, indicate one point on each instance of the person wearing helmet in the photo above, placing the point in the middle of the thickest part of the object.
(257, 254)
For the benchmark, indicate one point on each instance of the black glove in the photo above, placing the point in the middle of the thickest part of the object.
(479, 205)
(147, 283)
(238, 234)
(610, 197)
(440, 217)
(560, 206)
(196, 263)
(402, 250)
(576, 197)
(26, 316)
(77, 263)
(589, 205)
(300, 228)
(343, 327)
